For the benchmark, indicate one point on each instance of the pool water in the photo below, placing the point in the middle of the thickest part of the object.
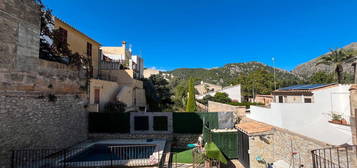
(103, 152)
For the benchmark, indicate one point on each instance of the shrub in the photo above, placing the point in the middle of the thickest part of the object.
(246, 104)
(115, 106)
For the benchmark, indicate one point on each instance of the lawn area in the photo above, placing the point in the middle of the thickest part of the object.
(182, 156)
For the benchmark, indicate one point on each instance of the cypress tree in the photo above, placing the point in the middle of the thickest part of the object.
(191, 101)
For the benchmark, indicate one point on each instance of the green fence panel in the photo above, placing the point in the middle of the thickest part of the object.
(210, 118)
(227, 142)
(188, 122)
(108, 122)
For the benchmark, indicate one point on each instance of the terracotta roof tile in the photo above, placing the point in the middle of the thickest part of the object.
(252, 127)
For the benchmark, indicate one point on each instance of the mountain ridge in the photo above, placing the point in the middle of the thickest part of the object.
(226, 74)
(308, 68)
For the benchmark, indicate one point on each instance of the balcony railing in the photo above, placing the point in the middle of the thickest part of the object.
(104, 65)
(335, 157)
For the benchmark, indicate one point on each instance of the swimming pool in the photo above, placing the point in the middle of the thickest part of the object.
(116, 152)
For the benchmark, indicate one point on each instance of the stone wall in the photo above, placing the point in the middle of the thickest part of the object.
(181, 139)
(280, 144)
(29, 116)
(20, 66)
(238, 111)
(19, 34)
(47, 76)
(30, 120)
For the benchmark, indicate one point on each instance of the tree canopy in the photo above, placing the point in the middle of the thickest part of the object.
(158, 93)
(191, 101)
(336, 58)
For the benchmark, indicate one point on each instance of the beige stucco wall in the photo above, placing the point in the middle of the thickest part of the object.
(122, 51)
(108, 91)
(113, 50)
(122, 77)
(293, 98)
(78, 43)
(140, 97)
(150, 72)
(220, 107)
(126, 95)
(133, 95)
(264, 99)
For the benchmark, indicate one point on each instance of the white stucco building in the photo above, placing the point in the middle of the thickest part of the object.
(308, 110)
(136, 63)
(234, 92)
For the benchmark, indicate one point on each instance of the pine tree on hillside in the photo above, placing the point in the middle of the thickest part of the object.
(191, 101)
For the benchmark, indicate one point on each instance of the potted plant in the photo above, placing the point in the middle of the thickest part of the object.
(336, 118)
(343, 122)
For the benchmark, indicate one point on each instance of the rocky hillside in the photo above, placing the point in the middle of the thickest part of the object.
(308, 68)
(223, 75)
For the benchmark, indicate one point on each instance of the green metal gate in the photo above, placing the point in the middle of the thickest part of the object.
(227, 143)
(243, 148)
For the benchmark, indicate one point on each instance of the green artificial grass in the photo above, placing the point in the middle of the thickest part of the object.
(182, 156)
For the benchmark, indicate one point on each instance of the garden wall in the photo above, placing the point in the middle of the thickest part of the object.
(239, 111)
(31, 120)
(179, 122)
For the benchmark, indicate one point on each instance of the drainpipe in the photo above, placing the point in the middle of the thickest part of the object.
(353, 116)
(353, 104)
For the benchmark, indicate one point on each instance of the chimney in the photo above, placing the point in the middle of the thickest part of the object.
(123, 44)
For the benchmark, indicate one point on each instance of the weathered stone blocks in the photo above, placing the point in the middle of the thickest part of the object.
(30, 121)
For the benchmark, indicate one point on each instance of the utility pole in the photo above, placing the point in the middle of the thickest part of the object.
(273, 59)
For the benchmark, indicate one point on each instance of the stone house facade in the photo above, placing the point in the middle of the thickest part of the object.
(80, 43)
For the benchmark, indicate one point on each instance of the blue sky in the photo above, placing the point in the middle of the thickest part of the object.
(210, 33)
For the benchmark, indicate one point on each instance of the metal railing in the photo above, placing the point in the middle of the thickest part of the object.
(104, 65)
(89, 156)
(335, 157)
(199, 160)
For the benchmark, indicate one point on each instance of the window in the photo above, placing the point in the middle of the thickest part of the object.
(281, 100)
(89, 49)
(160, 123)
(307, 100)
(63, 33)
(141, 123)
(96, 96)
